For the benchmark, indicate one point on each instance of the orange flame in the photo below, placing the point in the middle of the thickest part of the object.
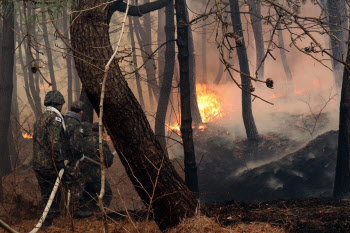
(209, 104)
(27, 135)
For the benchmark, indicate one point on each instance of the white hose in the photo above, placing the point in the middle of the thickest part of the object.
(49, 203)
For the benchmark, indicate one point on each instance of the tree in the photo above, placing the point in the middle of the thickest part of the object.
(150, 171)
(168, 75)
(191, 178)
(255, 17)
(342, 173)
(248, 118)
(338, 20)
(204, 53)
(6, 84)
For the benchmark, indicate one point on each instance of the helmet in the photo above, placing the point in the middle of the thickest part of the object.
(87, 127)
(54, 98)
(77, 106)
(95, 127)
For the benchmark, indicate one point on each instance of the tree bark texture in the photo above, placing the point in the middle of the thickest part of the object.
(255, 17)
(134, 58)
(337, 15)
(290, 84)
(191, 178)
(48, 53)
(196, 115)
(6, 83)
(168, 76)
(248, 118)
(342, 173)
(151, 173)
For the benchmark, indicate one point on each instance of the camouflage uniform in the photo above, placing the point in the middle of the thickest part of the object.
(74, 148)
(48, 149)
(91, 171)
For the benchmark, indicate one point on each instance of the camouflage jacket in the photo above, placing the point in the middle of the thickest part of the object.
(48, 142)
(74, 136)
(91, 150)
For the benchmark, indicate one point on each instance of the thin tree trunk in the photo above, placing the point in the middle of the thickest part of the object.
(290, 85)
(191, 178)
(48, 52)
(161, 40)
(337, 15)
(248, 119)
(69, 62)
(134, 58)
(76, 82)
(220, 73)
(6, 84)
(204, 53)
(196, 116)
(151, 173)
(29, 61)
(168, 76)
(256, 18)
(145, 59)
(342, 173)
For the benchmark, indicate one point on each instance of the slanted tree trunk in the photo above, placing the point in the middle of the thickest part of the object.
(204, 53)
(191, 178)
(196, 115)
(134, 58)
(290, 85)
(168, 76)
(48, 52)
(255, 17)
(126, 123)
(337, 17)
(76, 82)
(6, 85)
(248, 119)
(342, 173)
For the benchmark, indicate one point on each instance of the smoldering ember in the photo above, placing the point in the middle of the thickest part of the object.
(174, 116)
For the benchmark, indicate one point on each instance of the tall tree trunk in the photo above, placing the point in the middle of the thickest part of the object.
(134, 58)
(168, 76)
(255, 17)
(151, 173)
(150, 75)
(196, 115)
(161, 40)
(69, 61)
(6, 84)
(48, 52)
(337, 17)
(191, 178)
(248, 119)
(76, 82)
(342, 173)
(88, 109)
(29, 61)
(204, 53)
(290, 85)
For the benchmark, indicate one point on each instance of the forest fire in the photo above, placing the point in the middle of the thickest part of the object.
(210, 107)
(27, 135)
